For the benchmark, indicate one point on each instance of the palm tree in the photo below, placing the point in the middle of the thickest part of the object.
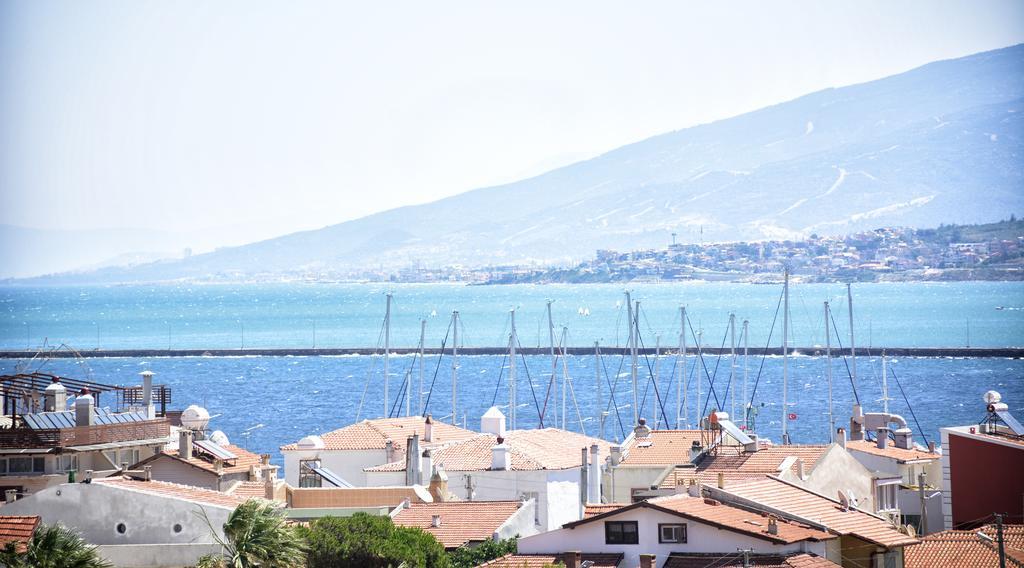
(256, 535)
(53, 546)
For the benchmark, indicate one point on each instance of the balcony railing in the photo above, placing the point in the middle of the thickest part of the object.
(22, 437)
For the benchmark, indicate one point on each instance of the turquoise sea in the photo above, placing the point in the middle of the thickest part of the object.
(295, 396)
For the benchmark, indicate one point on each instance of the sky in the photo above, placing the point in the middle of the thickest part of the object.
(232, 121)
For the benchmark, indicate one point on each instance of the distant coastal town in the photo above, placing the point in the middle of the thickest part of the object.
(993, 251)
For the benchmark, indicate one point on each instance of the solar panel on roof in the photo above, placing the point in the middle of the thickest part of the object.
(331, 477)
(66, 419)
(737, 434)
(1010, 421)
(214, 449)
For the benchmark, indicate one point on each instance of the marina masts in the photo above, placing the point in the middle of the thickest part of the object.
(600, 397)
(423, 336)
(633, 356)
(387, 347)
(455, 366)
(785, 356)
(746, 349)
(512, 395)
(680, 385)
(732, 368)
(828, 363)
(553, 384)
(853, 351)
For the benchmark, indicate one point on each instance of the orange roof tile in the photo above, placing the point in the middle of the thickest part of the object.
(245, 460)
(660, 447)
(891, 451)
(744, 465)
(373, 434)
(548, 448)
(600, 560)
(593, 509)
(735, 560)
(964, 548)
(17, 529)
(461, 521)
(783, 496)
(175, 490)
(339, 497)
(715, 513)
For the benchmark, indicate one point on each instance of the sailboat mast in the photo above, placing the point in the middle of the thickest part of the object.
(387, 348)
(785, 357)
(885, 385)
(657, 373)
(512, 395)
(853, 351)
(632, 354)
(681, 378)
(732, 369)
(600, 397)
(828, 362)
(746, 349)
(423, 335)
(565, 376)
(455, 366)
(554, 361)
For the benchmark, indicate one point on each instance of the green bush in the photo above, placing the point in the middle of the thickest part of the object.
(372, 542)
(466, 557)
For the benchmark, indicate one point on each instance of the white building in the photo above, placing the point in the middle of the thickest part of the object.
(682, 524)
(495, 465)
(345, 452)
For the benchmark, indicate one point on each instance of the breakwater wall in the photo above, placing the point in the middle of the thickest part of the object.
(1012, 352)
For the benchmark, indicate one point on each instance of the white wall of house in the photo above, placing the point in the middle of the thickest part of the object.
(618, 482)
(95, 510)
(176, 471)
(837, 469)
(521, 523)
(156, 555)
(590, 537)
(349, 464)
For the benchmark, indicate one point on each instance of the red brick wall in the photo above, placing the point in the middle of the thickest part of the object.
(985, 478)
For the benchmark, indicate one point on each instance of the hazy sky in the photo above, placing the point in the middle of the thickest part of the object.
(270, 117)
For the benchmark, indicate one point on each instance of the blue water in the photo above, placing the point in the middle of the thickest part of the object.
(350, 315)
(295, 396)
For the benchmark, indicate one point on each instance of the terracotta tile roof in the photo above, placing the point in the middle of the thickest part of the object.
(373, 434)
(592, 510)
(680, 477)
(175, 490)
(600, 560)
(964, 548)
(17, 529)
(800, 560)
(339, 497)
(245, 460)
(660, 447)
(715, 513)
(549, 448)
(461, 521)
(783, 496)
(251, 489)
(891, 451)
(744, 465)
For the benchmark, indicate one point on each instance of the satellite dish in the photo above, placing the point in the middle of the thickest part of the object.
(851, 499)
(992, 397)
(195, 418)
(219, 438)
(843, 500)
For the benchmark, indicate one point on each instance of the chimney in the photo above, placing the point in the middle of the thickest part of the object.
(412, 460)
(721, 480)
(773, 526)
(616, 455)
(904, 438)
(500, 458)
(594, 478)
(648, 561)
(439, 485)
(931, 447)
(55, 397)
(83, 409)
(882, 438)
(857, 423)
(268, 488)
(147, 472)
(841, 437)
(426, 467)
(428, 430)
(695, 451)
(147, 394)
(493, 422)
(584, 481)
(641, 430)
(693, 490)
(800, 469)
(218, 466)
(185, 444)
(435, 521)
(11, 495)
(572, 559)
(389, 451)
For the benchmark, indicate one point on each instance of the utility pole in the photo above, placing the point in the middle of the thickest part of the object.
(746, 556)
(455, 366)
(387, 348)
(512, 395)
(924, 504)
(999, 540)
(828, 363)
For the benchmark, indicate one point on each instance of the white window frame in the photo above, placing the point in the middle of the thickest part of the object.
(677, 533)
(887, 496)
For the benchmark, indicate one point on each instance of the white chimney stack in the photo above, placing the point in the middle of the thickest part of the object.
(427, 470)
(428, 431)
(55, 397)
(493, 422)
(147, 394)
(841, 437)
(500, 458)
(84, 409)
(882, 438)
(595, 475)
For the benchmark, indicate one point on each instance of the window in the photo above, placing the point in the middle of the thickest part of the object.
(885, 497)
(620, 532)
(24, 465)
(67, 463)
(672, 533)
(308, 477)
(130, 457)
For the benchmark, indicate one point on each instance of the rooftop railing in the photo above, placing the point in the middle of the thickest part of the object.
(21, 437)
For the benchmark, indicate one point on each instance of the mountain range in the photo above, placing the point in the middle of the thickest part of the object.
(941, 143)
